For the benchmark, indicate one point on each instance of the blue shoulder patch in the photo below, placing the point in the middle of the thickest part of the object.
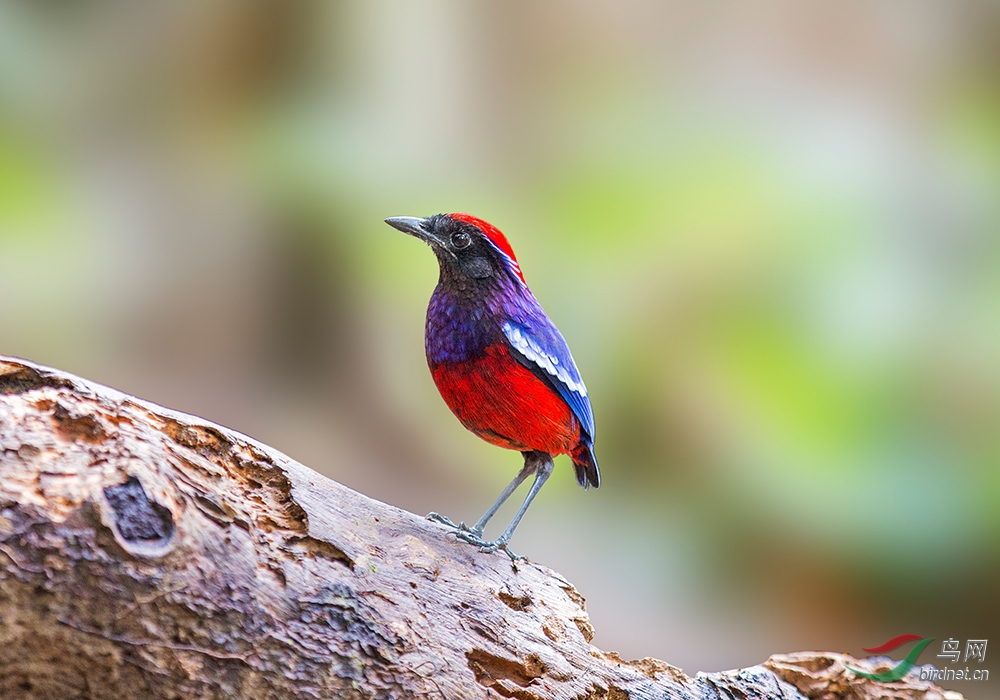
(543, 348)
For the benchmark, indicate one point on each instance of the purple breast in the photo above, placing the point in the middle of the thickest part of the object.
(455, 332)
(460, 328)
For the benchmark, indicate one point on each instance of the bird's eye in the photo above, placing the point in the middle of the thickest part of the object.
(460, 240)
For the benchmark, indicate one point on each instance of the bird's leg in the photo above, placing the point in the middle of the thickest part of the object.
(537, 462)
(477, 529)
(527, 470)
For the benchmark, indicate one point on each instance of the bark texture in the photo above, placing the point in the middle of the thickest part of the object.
(145, 553)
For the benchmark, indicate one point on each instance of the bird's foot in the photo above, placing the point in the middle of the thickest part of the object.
(487, 546)
(445, 520)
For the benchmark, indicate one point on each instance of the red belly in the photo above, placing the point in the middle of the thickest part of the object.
(501, 401)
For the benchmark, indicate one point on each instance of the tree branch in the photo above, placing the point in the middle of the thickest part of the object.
(147, 553)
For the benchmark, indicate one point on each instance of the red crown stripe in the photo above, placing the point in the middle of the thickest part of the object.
(494, 234)
(893, 643)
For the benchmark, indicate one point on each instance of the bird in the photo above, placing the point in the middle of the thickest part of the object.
(499, 363)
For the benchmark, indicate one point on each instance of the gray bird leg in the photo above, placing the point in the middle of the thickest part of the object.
(527, 470)
(541, 464)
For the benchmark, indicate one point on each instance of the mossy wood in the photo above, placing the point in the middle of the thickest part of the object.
(145, 553)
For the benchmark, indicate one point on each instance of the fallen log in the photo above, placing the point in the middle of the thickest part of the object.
(146, 553)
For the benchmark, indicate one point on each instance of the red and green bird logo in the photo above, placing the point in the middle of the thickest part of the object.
(904, 666)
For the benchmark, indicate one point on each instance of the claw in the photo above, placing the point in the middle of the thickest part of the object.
(471, 537)
(443, 519)
(514, 558)
(488, 546)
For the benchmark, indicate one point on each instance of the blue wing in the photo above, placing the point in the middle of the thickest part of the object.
(543, 350)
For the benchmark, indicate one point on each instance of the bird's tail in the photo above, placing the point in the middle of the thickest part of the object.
(585, 463)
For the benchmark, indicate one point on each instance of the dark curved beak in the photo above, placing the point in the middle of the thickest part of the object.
(411, 225)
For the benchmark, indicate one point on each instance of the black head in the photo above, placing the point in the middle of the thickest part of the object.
(466, 247)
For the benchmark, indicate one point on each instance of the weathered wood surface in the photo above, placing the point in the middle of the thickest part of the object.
(150, 554)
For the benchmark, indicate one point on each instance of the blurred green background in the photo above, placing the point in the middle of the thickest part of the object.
(769, 231)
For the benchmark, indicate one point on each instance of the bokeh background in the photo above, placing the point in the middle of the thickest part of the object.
(769, 231)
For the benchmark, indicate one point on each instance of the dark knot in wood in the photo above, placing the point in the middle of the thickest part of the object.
(137, 518)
